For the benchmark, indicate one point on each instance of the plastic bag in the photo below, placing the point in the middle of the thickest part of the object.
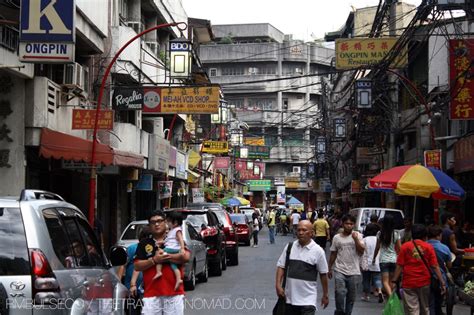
(394, 306)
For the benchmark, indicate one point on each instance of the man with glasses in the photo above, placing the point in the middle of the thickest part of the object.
(160, 296)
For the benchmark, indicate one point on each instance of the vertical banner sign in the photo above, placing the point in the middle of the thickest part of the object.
(47, 31)
(198, 195)
(460, 74)
(433, 158)
(165, 189)
(281, 199)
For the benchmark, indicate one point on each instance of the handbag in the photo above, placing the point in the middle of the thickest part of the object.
(279, 308)
(434, 283)
(393, 306)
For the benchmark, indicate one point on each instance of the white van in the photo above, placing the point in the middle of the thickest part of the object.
(363, 215)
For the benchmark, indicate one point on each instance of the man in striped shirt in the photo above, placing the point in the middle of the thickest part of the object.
(307, 259)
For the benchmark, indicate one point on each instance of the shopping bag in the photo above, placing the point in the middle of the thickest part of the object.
(394, 306)
(279, 308)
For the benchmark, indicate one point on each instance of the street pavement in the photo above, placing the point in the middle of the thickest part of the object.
(249, 288)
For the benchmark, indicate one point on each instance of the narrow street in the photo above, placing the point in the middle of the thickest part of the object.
(249, 287)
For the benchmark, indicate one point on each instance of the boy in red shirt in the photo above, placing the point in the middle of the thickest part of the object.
(416, 276)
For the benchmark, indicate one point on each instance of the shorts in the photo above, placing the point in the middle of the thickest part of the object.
(163, 305)
(388, 267)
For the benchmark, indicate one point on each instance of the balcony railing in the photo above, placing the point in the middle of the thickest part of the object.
(9, 37)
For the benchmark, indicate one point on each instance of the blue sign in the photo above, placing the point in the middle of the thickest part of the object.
(145, 182)
(47, 21)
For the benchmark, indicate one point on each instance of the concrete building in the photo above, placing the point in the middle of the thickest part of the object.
(282, 107)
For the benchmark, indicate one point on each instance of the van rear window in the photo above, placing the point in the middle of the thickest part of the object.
(14, 258)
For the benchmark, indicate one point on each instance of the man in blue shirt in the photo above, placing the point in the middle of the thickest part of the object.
(443, 254)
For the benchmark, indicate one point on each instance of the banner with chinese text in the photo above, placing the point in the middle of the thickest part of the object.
(215, 147)
(433, 158)
(85, 119)
(460, 77)
(221, 162)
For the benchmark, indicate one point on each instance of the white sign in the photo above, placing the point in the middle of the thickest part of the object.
(198, 195)
(46, 52)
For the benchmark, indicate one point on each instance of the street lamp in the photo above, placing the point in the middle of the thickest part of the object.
(93, 178)
(181, 52)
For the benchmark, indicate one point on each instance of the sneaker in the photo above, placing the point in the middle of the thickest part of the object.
(364, 298)
(381, 299)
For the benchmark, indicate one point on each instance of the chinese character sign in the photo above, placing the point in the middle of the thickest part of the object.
(85, 119)
(461, 84)
(433, 158)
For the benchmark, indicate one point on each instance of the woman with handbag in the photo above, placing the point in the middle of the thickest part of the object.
(417, 260)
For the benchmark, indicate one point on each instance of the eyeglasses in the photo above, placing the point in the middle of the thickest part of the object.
(159, 221)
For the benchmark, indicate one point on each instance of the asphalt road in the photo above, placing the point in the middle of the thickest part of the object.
(249, 287)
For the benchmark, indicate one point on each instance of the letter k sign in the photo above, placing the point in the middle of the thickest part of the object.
(51, 14)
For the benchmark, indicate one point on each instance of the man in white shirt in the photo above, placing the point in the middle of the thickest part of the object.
(295, 219)
(306, 260)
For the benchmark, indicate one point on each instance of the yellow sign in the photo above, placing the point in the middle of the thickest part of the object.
(256, 141)
(359, 52)
(214, 147)
(194, 100)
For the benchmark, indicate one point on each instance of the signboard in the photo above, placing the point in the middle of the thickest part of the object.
(181, 165)
(47, 31)
(463, 153)
(85, 119)
(281, 198)
(215, 147)
(363, 89)
(356, 187)
(127, 98)
(433, 158)
(353, 53)
(260, 185)
(221, 163)
(461, 83)
(255, 152)
(180, 100)
(198, 195)
(247, 174)
(145, 182)
(165, 189)
(254, 141)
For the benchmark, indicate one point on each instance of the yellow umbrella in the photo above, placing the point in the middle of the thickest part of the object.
(243, 201)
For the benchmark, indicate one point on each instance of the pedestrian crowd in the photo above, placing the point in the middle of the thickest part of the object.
(412, 263)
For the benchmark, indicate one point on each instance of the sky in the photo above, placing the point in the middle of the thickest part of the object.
(305, 19)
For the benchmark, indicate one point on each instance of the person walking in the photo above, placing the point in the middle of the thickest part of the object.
(321, 231)
(271, 225)
(306, 260)
(295, 219)
(443, 255)
(255, 231)
(448, 237)
(160, 296)
(405, 234)
(388, 244)
(374, 224)
(417, 260)
(346, 249)
(370, 268)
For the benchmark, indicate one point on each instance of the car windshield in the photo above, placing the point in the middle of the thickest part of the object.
(239, 219)
(197, 220)
(222, 217)
(133, 231)
(14, 258)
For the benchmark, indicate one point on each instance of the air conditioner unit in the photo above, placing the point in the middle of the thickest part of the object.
(154, 125)
(137, 26)
(74, 76)
(297, 169)
(154, 46)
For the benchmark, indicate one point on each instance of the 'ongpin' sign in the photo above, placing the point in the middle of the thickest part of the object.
(47, 31)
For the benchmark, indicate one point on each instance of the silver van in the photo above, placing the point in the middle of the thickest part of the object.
(363, 215)
(51, 262)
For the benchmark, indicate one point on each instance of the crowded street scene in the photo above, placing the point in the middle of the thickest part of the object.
(236, 157)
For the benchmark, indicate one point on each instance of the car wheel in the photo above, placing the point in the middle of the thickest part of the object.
(216, 268)
(234, 259)
(202, 277)
(190, 284)
(224, 261)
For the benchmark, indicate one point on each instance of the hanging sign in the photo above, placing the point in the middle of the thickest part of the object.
(221, 162)
(127, 98)
(165, 189)
(215, 147)
(461, 73)
(198, 195)
(433, 158)
(85, 119)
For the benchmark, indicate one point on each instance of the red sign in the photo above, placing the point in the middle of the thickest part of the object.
(464, 155)
(85, 119)
(221, 162)
(460, 74)
(433, 158)
(247, 174)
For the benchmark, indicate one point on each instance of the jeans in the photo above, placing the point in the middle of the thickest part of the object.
(255, 237)
(299, 309)
(436, 301)
(271, 233)
(371, 278)
(346, 290)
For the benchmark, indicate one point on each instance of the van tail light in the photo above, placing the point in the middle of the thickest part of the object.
(209, 232)
(229, 230)
(45, 285)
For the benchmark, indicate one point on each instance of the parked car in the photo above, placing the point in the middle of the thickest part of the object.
(206, 223)
(362, 216)
(50, 255)
(231, 238)
(195, 269)
(247, 210)
(243, 227)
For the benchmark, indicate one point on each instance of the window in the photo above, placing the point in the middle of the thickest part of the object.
(92, 246)
(77, 257)
(123, 10)
(14, 258)
(253, 70)
(193, 234)
(59, 239)
(213, 72)
(233, 71)
(133, 231)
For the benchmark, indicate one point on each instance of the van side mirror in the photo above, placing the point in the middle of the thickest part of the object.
(118, 256)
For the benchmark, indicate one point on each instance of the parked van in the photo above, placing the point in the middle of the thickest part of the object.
(363, 215)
